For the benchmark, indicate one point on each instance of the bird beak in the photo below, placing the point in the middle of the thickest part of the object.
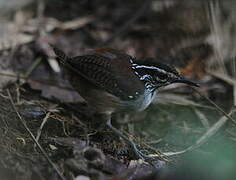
(186, 81)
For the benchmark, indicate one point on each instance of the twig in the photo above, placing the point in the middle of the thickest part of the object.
(214, 104)
(33, 67)
(230, 80)
(203, 139)
(202, 118)
(33, 138)
(155, 141)
(17, 93)
(224, 77)
(41, 127)
(158, 153)
(210, 132)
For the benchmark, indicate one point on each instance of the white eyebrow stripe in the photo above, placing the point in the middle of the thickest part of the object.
(135, 66)
(131, 60)
(149, 67)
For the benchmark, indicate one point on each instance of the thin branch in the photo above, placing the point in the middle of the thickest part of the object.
(41, 126)
(204, 138)
(202, 118)
(214, 104)
(33, 67)
(33, 138)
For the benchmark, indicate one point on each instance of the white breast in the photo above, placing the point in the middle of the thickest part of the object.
(142, 102)
(145, 100)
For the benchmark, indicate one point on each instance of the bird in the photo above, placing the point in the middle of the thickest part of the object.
(112, 81)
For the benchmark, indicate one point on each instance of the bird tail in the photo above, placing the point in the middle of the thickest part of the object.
(61, 56)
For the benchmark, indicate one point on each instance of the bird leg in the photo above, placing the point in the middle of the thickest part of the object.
(137, 152)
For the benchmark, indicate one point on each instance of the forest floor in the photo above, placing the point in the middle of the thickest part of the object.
(47, 131)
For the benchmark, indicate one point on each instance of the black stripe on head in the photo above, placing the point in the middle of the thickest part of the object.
(151, 62)
(156, 74)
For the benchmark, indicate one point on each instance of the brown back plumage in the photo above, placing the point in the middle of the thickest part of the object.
(108, 69)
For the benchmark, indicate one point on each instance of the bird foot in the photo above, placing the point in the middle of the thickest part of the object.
(138, 154)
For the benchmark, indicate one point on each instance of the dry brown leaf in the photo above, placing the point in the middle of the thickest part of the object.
(51, 92)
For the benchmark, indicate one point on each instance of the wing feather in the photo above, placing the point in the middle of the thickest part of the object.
(107, 70)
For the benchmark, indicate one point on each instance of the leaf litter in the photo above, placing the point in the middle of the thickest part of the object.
(68, 137)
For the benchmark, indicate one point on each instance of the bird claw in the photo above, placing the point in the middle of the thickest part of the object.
(138, 153)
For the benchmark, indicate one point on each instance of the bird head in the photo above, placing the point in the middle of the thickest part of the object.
(156, 74)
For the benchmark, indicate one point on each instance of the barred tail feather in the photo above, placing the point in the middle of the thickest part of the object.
(61, 56)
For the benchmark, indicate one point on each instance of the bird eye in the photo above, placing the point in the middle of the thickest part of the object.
(163, 76)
